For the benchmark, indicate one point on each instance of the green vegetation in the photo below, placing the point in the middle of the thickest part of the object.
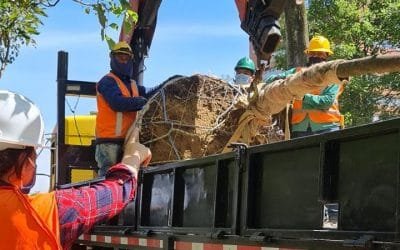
(359, 28)
(19, 23)
(21, 19)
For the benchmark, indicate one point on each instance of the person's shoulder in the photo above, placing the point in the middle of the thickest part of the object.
(107, 84)
(40, 197)
(333, 86)
(106, 79)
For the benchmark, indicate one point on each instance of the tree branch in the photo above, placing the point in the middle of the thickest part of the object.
(369, 65)
(49, 4)
(83, 3)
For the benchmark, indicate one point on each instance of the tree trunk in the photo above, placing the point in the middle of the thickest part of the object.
(296, 41)
(273, 97)
(296, 34)
(369, 65)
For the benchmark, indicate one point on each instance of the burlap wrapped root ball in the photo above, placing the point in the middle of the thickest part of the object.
(191, 117)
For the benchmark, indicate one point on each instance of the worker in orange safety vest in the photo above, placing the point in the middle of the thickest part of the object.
(318, 112)
(118, 100)
(44, 221)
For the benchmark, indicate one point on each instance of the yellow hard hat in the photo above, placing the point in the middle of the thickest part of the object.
(122, 47)
(319, 44)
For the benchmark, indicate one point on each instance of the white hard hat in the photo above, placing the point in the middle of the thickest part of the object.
(21, 123)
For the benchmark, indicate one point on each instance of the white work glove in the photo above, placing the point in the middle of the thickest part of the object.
(135, 153)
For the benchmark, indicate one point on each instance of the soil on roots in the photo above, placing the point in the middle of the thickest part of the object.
(189, 118)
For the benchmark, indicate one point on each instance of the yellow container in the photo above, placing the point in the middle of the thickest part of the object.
(78, 175)
(80, 130)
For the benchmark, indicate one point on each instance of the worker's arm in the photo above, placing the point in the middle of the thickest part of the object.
(81, 208)
(149, 92)
(322, 101)
(282, 75)
(108, 88)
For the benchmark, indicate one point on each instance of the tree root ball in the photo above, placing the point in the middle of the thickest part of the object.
(190, 117)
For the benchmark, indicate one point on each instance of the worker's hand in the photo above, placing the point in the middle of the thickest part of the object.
(138, 103)
(135, 153)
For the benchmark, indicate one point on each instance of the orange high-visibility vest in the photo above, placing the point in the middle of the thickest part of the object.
(28, 222)
(332, 114)
(110, 123)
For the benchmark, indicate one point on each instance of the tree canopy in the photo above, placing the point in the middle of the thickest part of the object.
(20, 21)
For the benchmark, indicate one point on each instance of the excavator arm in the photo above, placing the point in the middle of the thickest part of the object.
(259, 19)
(141, 37)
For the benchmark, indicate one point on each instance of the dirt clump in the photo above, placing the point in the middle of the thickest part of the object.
(190, 117)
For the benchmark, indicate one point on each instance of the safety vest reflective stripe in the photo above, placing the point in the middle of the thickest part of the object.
(28, 222)
(118, 125)
(318, 116)
(331, 111)
(110, 123)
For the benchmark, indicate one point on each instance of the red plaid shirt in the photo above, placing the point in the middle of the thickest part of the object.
(81, 208)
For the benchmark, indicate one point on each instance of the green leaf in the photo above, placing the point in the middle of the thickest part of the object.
(125, 4)
(102, 34)
(132, 16)
(110, 42)
(130, 20)
(117, 10)
(114, 26)
(101, 14)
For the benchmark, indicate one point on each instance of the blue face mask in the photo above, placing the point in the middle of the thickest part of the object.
(242, 79)
(121, 69)
(27, 188)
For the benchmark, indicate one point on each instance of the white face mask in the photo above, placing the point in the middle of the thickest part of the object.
(242, 79)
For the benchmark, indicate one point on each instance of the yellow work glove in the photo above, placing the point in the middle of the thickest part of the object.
(135, 153)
